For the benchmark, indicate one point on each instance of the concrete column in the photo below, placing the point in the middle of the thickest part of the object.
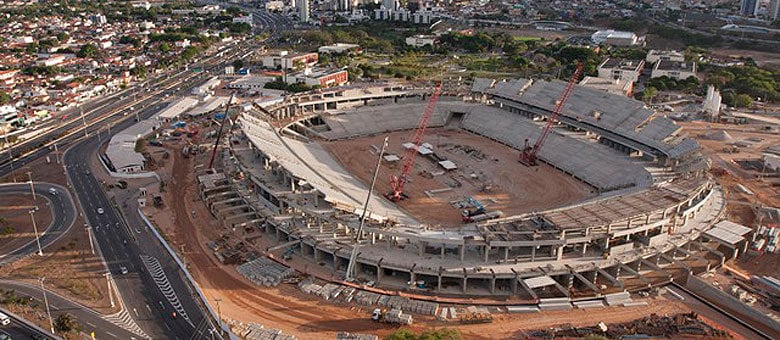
(317, 254)
(559, 253)
(379, 273)
(421, 247)
(462, 250)
(506, 254)
(487, 253)
(569, 281)
(514, 284)
(438, 285)
(493, 284)
(412, 276)
(533, 253)
(373, 238)
(465, 281)
(442, 251)
(584, 248)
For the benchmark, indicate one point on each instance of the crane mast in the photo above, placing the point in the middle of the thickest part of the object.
(529, 155)
(397, 182)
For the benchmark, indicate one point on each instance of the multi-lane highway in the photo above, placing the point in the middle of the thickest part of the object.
(63, 215)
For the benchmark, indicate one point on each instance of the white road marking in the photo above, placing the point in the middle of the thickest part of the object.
(111, 334)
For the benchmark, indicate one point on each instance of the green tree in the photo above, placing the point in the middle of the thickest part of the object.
(4, 98)
(165, 47)
(64, 323)
(742, 100)
(648, 93)
(87, 51)
(63, 37)
(434, 334)
(238, 64)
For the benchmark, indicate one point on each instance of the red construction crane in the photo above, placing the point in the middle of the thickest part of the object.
(397, 182)
(529, 154)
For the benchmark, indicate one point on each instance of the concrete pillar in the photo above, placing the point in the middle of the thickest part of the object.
(559, 253)
(487, 252)
(317, 254)
(533, 253)
(514, 284)
(462, 250)
(442, 251)
(412, 276)
(506, 254)
(493, 284)
(569, 281)
(379, 273)
(421, 247)
(584, 248)
(438, 284)
(465, 281)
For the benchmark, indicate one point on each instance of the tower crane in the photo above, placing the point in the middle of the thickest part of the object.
(397, 182)
(529, 155)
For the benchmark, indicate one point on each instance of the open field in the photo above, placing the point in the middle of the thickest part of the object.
(16, 228)
(487, 171)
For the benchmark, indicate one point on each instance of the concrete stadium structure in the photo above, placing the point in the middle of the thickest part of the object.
(654, 205)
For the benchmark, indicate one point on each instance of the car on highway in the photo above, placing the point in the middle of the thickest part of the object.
(100, 211)
(53, 191)
(123, 270)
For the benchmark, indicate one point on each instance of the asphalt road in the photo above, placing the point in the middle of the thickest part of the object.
(90, 321)
(63, 216)
(18, 330)
(123, 245)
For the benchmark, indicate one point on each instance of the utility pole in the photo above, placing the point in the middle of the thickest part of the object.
(84, 121)
(353, 258)
(35, 228)
(56, 154)
(32, 187)
(46, 302)
(108, 282)
(10, 156)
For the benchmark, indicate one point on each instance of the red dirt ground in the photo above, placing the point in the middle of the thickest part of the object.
(516, 188)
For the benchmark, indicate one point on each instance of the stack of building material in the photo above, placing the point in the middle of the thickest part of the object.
(406, 304)
(453, 313)
(617, 299)
(634, 303)
(555, 304)
(255, 331)
(366, 298)
(355, 336)
(589, 304)
(522, 309)
(398, 316)
(265, 272)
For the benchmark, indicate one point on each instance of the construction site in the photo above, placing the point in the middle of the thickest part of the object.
(516, 196)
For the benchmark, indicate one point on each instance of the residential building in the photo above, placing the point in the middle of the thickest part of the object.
(246, 19)
(54, 60)
(773, 11)
(613, 86)
(318, 77)
(620, 69)
(285, 61)
(303, 10)
(749, 8)
(674, 69)
(421, 40)
(655, 55)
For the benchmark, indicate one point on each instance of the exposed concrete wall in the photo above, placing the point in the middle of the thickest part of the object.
(728, 302)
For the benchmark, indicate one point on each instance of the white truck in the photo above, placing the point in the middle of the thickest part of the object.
(395, 316)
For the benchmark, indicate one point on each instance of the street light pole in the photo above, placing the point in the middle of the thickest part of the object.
(32, 187)
(89, 235)
(46, 301)
(108, 282)
(219, 315)
(84, 121)
(35, 228)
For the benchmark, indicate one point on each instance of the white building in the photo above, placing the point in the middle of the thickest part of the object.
(618, 69)
(246, 19)
(318, 77)
(616, 38)
(52, 61)
(250, 82)
(674, 69)
(421, 40)
(286, 61)
(711, 104)
(655, 55)
(303, 10)
(274, 5)
(338, 48)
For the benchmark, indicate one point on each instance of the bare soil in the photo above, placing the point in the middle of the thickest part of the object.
(16, 228)
(487, 171)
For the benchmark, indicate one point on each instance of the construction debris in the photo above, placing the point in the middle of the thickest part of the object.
(256, 331)
(650, 326)
(332, 291)
(355, 336)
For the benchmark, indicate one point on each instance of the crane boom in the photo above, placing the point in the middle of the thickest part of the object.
(397, 182)
(529, 154)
